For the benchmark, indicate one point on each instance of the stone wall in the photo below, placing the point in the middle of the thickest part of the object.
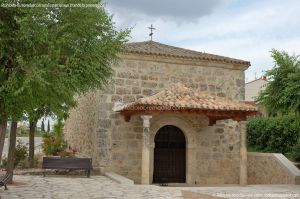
(135, 77)
(218, 155)
(269, 168)
(125, 152)
(79, 129)
(115, 145)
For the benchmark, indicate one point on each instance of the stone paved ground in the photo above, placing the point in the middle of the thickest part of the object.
(251, 191)
(82, 188)
(33, 187)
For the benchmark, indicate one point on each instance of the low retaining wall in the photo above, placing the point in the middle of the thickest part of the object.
(271, 168)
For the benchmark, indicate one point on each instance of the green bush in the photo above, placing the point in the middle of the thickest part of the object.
(295, 153)
(54, 143)
(275, 134)
(21, 154)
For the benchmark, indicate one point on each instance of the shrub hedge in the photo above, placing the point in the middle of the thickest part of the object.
(275, 134)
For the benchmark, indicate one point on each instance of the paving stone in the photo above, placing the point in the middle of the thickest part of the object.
(36, 187)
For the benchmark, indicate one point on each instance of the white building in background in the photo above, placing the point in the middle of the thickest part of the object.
(253, 88)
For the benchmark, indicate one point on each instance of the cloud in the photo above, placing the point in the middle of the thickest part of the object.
(236, 28)
(165, 9)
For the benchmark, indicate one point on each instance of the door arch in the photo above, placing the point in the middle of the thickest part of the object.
(169, 155)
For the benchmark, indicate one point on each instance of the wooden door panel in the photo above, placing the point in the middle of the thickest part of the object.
(169, 156)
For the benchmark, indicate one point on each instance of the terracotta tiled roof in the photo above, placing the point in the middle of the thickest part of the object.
(155, 48)
(179, 96)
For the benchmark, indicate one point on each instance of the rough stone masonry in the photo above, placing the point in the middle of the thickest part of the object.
(212, 152)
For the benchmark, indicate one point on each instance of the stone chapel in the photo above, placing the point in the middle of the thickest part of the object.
(171, 115)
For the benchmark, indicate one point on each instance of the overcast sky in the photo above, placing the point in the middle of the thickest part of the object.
(236, 28)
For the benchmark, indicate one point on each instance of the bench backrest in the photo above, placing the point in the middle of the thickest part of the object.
(4, 178)
(67, 163)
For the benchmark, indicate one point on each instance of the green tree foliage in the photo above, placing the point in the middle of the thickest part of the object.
(282, 95)
(281, 98)
(279, 134)
(50, 54)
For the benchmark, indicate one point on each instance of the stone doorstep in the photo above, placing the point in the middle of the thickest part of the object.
(118, 178)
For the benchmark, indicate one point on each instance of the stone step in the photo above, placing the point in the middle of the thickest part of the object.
(118, 178)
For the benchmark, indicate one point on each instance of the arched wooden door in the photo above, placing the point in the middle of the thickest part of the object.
(169, 155)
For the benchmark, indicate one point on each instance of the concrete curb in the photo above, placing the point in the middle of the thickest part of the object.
(118, 178)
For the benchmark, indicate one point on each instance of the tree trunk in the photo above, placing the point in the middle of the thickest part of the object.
(48, 127)
(3, 125)
(12, 150)
(32, 128)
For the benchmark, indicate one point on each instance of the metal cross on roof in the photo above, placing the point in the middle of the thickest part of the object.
(151, 31)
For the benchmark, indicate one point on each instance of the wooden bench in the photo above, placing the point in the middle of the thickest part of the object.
(68, 163)
(4, 179)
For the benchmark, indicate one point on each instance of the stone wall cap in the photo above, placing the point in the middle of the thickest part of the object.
(283, 161)
(287, 164)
